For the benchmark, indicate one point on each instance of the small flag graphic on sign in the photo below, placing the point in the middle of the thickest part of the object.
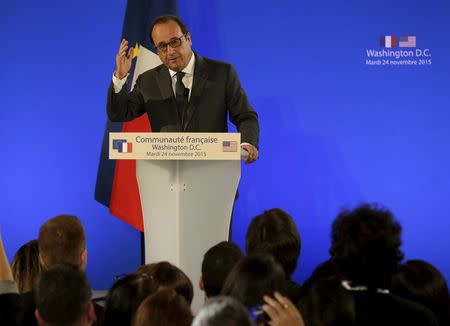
(407, 42)
(388, 41)
(122, 146)
(229, 146)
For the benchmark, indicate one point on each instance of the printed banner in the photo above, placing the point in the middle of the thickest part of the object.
(174, 146)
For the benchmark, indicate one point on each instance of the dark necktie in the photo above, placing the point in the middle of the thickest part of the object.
(181, 96)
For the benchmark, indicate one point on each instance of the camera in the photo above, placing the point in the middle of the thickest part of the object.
(258, 315)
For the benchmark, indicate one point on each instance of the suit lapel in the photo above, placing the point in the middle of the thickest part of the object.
(198, 85)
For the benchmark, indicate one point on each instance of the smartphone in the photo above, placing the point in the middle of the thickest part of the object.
(258, 314)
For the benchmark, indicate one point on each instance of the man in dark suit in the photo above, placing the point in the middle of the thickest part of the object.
(186, 93)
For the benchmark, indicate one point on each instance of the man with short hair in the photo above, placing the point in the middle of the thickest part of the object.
(217, 263)
(63, 297)
(187, 93)
(62, 240)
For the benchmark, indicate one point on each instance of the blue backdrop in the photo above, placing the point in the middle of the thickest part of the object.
(335, 131)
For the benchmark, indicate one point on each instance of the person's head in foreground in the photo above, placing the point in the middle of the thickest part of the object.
(217, 264)
(125, 297)
(166, 275)
(365, 246)
(164, 308)
(222, 310)
(63, 297)
(252, 278)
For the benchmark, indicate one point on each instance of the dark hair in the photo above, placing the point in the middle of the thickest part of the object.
(26, 266)
(165, 307)
(164, 274)
(326, 303)
(274, 232)
(223, 310)
(62, 294)
(166, 18)
(324, 270)
(62, 240)
(125, 297)
(252, 278)
(217, 263)
(421, 282)
(365, 245)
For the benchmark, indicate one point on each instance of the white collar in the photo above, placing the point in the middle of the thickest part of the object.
(346, 285)
(189, 69)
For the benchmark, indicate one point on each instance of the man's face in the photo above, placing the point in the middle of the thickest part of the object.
(173, 58)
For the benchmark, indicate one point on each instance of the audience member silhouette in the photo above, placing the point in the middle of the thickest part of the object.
(274, 232)
(166, 275)
(125, 296)
(252, 278)
(327, 303)
(222, 310)
(164, 308)
(365, 246)
(421, 282)
(217, 263)
(61, 240)
(26, 266)
(63, 297)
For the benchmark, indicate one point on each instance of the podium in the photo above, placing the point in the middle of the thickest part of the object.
(187, 206)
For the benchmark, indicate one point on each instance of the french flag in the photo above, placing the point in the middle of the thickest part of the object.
(388, 41)
(116, 186)
(126, 148)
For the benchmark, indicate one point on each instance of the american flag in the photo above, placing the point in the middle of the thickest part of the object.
(407, 42)
(229, 146)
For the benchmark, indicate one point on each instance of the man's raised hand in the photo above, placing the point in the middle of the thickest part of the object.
(123, 59)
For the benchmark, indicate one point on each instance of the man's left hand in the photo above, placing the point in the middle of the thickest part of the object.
(252, 153)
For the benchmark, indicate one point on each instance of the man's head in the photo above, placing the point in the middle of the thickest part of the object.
(252, 278)
(223, 310)
(166, 275)
(165, 307)
(125, 296)
(217, 263)
(173, 42)
(63, 297)
(365, 245)
(274, 232)
(62, 240)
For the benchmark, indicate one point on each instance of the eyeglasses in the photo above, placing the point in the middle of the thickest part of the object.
(176, 42)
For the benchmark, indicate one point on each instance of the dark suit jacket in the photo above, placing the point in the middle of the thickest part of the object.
(375, 309)
(216, 92)
(29, 306)
(10, 309)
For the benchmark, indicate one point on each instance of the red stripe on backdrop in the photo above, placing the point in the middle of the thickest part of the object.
(125, 201)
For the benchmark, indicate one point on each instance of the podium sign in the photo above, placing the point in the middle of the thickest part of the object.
(174, 146)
